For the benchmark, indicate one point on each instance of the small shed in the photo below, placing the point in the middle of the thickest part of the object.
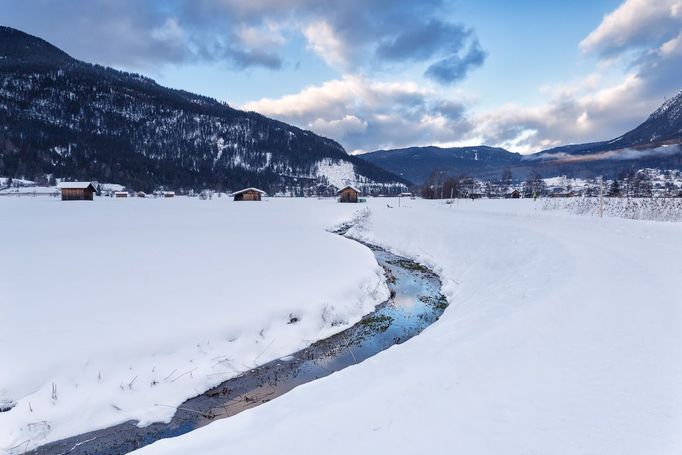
(169, 194)
(120, 193)
(348, 194)
(77, 191)
(141, 194)
(248, 194)
(515, 194)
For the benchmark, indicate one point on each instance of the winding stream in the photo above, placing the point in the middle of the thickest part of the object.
(415, 304)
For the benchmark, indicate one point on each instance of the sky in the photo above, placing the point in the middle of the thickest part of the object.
(525, 75)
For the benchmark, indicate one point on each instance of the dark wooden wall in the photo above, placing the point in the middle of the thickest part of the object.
(348, 195)
(77, 194)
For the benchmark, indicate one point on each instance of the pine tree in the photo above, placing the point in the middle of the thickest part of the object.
(614, 189)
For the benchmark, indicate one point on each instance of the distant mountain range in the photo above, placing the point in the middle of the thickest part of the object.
(416, 164)
(653, 144)
(76, 120)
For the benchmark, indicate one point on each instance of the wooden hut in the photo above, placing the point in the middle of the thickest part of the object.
(348, 194)
(515, 194)
(77, 191)
(120, 193)
(248, 194)
(169, 194)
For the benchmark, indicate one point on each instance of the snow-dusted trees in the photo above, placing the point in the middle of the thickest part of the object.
(614, 189)
(534, 185)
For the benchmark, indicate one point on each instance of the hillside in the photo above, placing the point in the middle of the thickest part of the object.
(418, 163)
(76, 120)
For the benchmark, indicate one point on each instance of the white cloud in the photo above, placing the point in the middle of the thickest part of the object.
(267, 36)
(349, 124)
(324, 42)
(672, 47)
(365, 114)
(572, 114)
(635, 22)
(169, 31)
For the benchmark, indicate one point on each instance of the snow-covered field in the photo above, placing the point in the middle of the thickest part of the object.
(564, 336)
(120, 309)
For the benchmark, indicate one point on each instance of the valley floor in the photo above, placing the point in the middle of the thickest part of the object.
(562, 337)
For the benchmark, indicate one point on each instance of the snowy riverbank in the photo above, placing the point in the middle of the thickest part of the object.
(121, 309)
(563, 337)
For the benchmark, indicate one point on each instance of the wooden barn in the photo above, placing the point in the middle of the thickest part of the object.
(515, 194)
(169, 194)
(348, 194)
(120, 193)
(248, 194)
(77, 191)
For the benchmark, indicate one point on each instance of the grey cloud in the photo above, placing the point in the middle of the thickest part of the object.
(108, 32)
(455, 67)
(424, 41)
(138, 35)
(145, 34)
(242, 59)
(450, 109)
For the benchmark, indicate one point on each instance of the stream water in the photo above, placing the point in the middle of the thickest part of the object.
(415, 304)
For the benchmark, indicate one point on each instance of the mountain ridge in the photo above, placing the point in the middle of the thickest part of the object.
(79, 120)
(654, 143)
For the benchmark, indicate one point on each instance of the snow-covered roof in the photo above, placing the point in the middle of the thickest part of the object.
(348, 187)
(245, 190)
(75, 185)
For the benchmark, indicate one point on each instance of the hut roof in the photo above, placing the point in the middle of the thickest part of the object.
(75, 185)
(245, 190)
(348, 187)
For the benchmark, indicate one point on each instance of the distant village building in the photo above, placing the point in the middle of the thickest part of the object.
(248, 194)
(348, 194)
(120, 194)
(514, 194)
(168, 194)
(77, 191)
(326, 190)
(141, 194)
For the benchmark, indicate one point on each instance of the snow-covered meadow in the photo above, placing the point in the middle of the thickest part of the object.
(120, 309)
(564, 336)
